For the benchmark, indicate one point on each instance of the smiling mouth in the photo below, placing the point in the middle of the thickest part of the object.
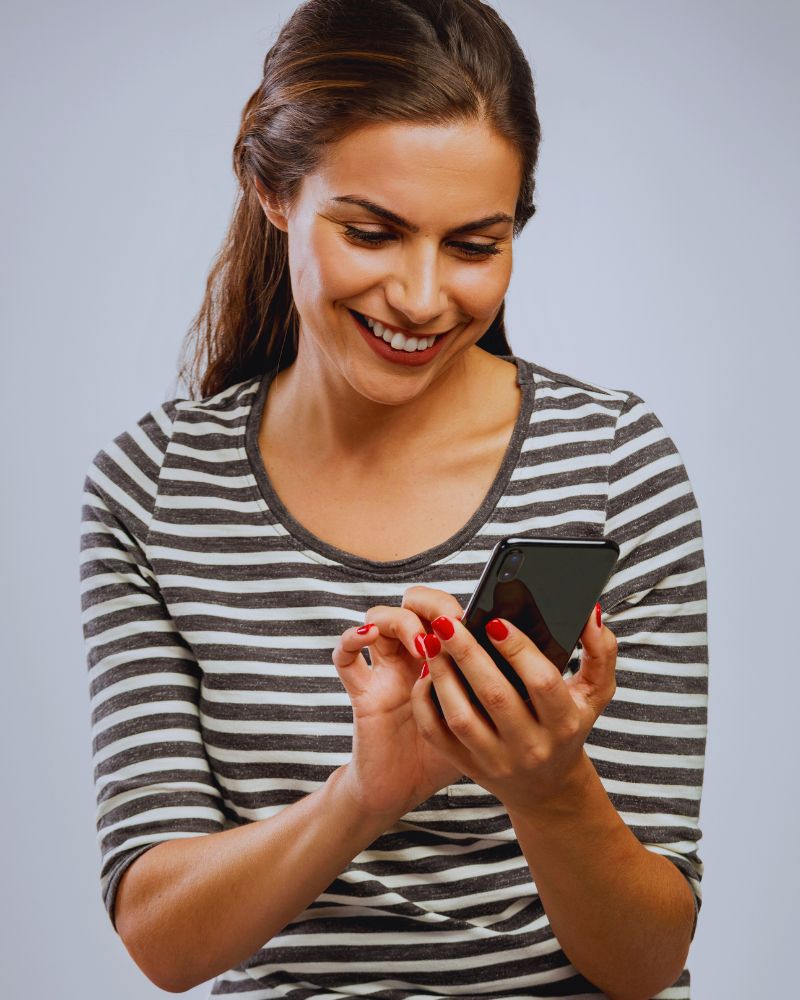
(396, 338)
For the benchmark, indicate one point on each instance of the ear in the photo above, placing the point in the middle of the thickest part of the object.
(272, 207)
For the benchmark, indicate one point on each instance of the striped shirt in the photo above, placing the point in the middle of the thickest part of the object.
(210, 615)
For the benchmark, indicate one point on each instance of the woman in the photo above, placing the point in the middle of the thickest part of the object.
(272, 810)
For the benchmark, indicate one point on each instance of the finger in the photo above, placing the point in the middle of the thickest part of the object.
(432, 727)
(351, 666)
(400, 628)
(463, 655)
(551, 700)
(430, 602)
(596, 677)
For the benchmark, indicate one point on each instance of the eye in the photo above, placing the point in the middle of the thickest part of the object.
(379, 238)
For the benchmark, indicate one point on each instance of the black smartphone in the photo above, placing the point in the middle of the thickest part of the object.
(547, 588)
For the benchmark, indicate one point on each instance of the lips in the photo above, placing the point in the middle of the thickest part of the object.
(403, 358)
(362, 317)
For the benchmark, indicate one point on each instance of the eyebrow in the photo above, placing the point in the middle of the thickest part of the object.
(384, 213)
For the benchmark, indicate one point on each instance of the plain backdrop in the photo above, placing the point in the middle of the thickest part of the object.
(663, 259)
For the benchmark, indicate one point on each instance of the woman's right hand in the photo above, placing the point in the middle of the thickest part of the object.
(393, 768)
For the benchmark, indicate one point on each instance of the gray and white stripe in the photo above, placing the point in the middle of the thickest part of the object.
(209, 617)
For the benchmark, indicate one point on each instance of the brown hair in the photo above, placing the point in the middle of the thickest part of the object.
(334, 68)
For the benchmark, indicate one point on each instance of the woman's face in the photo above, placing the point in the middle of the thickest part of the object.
(430, 254)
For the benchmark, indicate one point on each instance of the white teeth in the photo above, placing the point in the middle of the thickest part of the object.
(401, 343)
(398, 340)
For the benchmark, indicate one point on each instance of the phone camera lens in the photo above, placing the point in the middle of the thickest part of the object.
(510, 565)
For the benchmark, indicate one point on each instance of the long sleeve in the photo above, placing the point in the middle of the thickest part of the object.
(151, 774)
(649, 744)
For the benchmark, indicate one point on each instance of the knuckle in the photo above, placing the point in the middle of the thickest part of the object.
(546, 683)
(414, 594)
(426, 731)
(430, 601)
(570, 728)
(392, 621)
(452, 607)
(509, 772)
(460, 724)
(502, 770)
(465, 652)
(410, 618)
(495, 697)
(536, 755)
(515, 646)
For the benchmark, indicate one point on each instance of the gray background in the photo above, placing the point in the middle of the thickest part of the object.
(661, 260)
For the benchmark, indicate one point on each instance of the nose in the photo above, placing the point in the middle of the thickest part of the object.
(414, 290)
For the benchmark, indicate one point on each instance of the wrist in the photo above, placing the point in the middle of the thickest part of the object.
(566, 799)
(363, 813)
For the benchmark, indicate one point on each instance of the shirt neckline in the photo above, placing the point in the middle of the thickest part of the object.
(305, 539)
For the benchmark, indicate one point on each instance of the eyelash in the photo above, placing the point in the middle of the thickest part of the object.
(379, 238)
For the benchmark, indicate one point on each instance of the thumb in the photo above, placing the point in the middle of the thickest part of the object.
(598, 659)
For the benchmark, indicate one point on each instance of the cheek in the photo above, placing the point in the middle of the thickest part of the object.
(480, 290)
(332, 269)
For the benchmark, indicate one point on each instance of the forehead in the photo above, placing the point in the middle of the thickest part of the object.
(426, 173)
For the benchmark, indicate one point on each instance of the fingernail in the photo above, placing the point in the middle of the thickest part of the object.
(496, 629)
(443, 627)
(419, 642)
(424, 672)
(432, 645)
(460, 617)
(597, 613)
(364, 628)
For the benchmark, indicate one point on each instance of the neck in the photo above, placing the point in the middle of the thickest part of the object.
(315, 406)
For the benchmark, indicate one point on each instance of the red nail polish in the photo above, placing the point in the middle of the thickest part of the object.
(424, 672)
(364, 628)
(432, 645)
(419, 642)
(443, 627)
(597, 614)
(496, 629)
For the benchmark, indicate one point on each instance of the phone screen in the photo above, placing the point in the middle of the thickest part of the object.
(547, 587)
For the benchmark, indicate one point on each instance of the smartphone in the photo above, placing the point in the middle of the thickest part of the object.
(547, 587)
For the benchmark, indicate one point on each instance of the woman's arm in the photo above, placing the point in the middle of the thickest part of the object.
(623, 895)
(602, 835)
(622, 915)
(189, 897)
(190, 909)
(622, 918)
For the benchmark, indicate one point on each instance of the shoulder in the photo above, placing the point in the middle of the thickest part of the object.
(564, 402)
(551, 384)
(124, 476)
(620, 422)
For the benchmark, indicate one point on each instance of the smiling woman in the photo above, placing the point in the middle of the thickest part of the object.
(421, 116)
(416, 279)
(273, 810)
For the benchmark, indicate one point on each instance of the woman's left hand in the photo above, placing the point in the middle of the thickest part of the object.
(522, 755)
